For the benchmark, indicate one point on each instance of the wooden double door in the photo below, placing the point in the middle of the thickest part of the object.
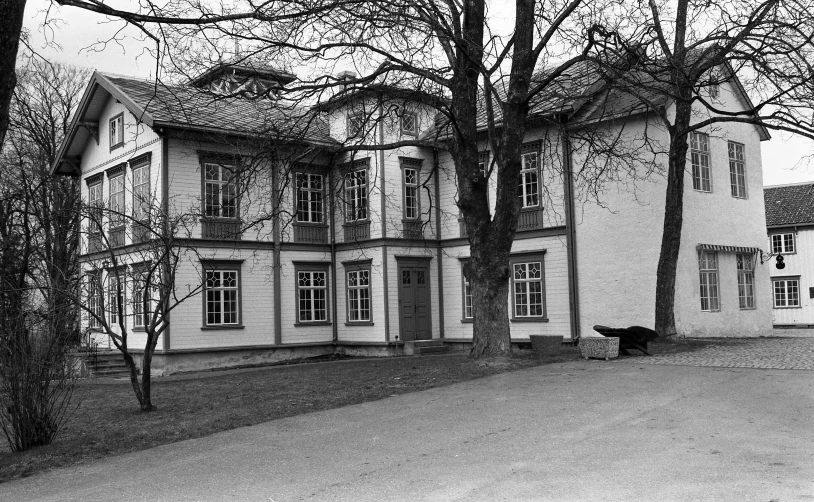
(414, 303)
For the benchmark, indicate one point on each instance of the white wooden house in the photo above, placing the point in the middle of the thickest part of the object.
(364, 252)
(790, 225)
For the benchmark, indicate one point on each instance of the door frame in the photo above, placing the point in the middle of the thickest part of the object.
(423, 262)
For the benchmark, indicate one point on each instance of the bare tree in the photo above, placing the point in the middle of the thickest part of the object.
(11, 26)
(38, 236)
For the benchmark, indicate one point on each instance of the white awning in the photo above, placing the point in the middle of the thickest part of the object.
(726, 249)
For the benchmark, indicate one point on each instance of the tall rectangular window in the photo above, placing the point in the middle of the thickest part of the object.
(410, 176)
(142, 307)
(529, 180)
(96, 204)
(141, 190)
(467, 294)
(95, 301)
(116, 200)
(527, 279)
(309, 198)
(783, 243)
(312, 295)
(356, 195)
(746, 280)
(699, 157)
(220, 190)
(786, 292)
(116, 129)
(358, 295)
(222, 295)
(737, 170)
(115, 298)
(708, 267)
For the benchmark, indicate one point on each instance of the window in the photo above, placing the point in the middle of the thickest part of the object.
(142, 308)
(358, 284)
(96, 205)
(312, 295)
(116, 199)
(141, 189)
(708, 267)
(783, 243)
(528, 302)
(95, 301)
(356, 195)
(467, 293)
(222, 287)
(746, 280)
(355, 125)
(220, 190)
(714, 90)
(115, 298)
(483, 163)
(699, 156)
(309, 198)
(410, 176)
(529, 184)
(117, 131)
(786, 292)
(409, 124)
(737, 170)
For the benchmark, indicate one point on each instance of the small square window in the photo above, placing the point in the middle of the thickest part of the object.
(355, 125)
(409, 124)
(117, 131)
(783, 243)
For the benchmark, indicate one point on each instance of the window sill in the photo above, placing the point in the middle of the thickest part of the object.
(222, 327)
(786, 308)
(310, 224)
(468, 321)
(359, 323)
(315, 323)
(711, 311)
(529, 319)
(116, 146)
(747, 308)
(140, 329)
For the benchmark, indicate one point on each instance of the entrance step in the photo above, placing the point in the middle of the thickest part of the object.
(425, 347)
(107, 364)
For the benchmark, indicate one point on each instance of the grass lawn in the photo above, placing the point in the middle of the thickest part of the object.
(107, 420)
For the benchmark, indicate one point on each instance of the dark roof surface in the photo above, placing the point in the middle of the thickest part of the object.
(188, 108)
(789, 205)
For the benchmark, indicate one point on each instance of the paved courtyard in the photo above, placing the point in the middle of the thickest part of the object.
(796, 353)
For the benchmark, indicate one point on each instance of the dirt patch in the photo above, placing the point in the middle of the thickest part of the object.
(107, 421)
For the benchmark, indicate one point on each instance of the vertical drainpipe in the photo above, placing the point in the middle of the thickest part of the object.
(165, 202)
(438, 250)
(277, 266)
(332, 229)
(570, 235)
(384, 226)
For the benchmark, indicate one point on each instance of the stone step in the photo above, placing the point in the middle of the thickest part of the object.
(435, 342)
(431, 349)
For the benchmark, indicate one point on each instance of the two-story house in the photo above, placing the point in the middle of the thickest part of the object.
(790, 225)
(305, 246)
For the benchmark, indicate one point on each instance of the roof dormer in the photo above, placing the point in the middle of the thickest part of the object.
(244, 79)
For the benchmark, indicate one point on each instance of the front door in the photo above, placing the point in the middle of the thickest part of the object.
(414, 303)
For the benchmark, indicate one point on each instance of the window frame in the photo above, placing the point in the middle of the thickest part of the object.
(787, 240)
(141, 201)
(355, 268)
(527, 258)
(355, 168)
(96, 294)
(116, 127)
(141, 316)
(320, 197)
(95, 186)
(786, 280)
(221, 161)
(117, 209)
(709, 273)
(116, 287)
(312, 267)
(466, 293)
(697, 154)
(746, 280)
(416, 125)
(412, 165)
(528, 150)
(221, 266)
(354, 125)
(738, 190)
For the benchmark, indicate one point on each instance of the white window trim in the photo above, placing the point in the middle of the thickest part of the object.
(222, 302)
(787, 244)
(745, 264)
(359, 289)
(527, 259)
(710, 278)
(411, 190)
(526, 184)
(786, 282)
(408, 132)
(220, 186)
(312, 195)
(737, 159)
(700, 162)
(357, 196)
(116, 131)
(312, 269)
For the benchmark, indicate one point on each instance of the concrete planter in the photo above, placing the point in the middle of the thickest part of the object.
(546, 344)
(604, 347)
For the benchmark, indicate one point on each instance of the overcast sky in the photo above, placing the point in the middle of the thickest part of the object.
(784, 157)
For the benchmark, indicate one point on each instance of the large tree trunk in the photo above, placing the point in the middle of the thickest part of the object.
(11, 23)
(673, 222)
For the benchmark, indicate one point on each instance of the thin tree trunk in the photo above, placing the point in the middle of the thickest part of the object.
(11, 23)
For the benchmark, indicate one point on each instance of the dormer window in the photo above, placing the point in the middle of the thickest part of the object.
(117, 131)
(355, 125)
(409, 124)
